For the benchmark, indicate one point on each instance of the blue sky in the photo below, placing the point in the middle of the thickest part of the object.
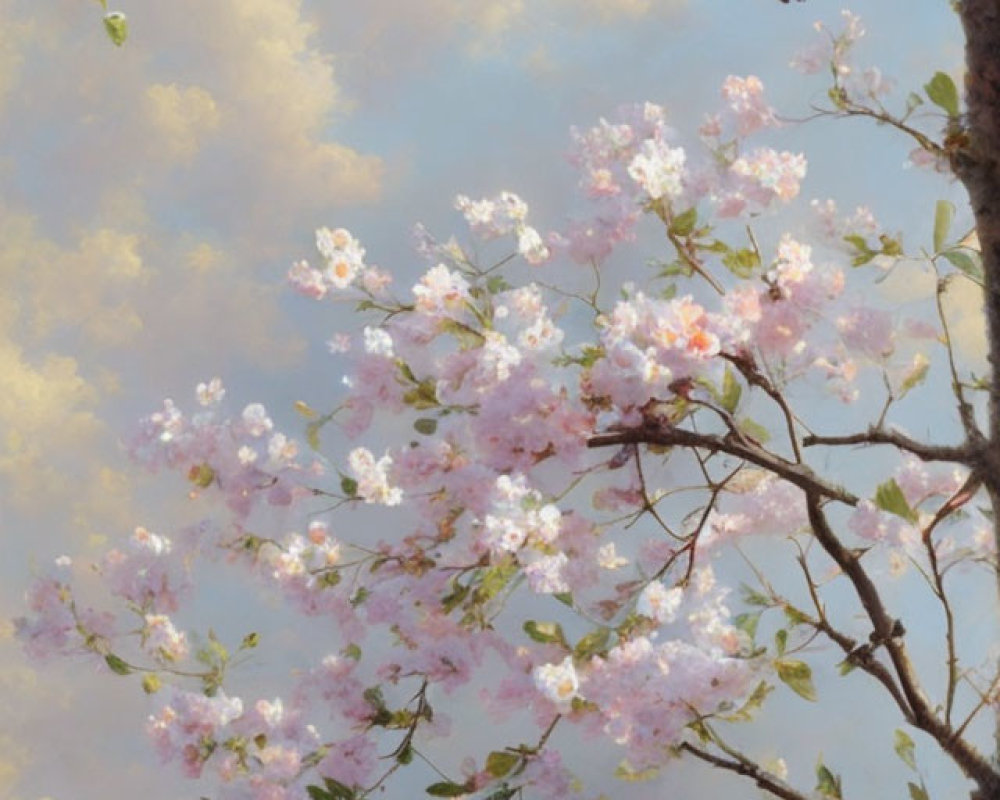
(148, 192)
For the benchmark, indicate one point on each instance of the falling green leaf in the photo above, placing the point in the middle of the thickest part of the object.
(117, 27)
(941, 92)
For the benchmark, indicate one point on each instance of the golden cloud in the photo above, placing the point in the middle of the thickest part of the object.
(180, 118)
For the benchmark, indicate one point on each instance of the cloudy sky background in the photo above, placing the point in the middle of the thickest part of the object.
(153, 196)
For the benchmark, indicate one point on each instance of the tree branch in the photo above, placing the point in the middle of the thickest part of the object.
(744, 766)
(961, 454)
(661, 433)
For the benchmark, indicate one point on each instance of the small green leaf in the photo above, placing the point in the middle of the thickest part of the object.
(566, 598)
(916, 375)
(447, 789)
(753, 429)
(912, 101)
(425, 425)
(468, 338)
(117, 27)
(748, 622)
(626, 772)
(797, 676)
(917, 792)
(889, 497)
(338, 790)
(318, 793)
(968, 261)
(903, 745)
(941, 91)
(151, 683)
(496, 284)
(794, 616)
(944, 213)
(683, 224)
(742, 262)
(116, 665)
(731, 391)
(754, 598)
(781, 641)
(250, 641)
(348, 486)
(545, 632)
(846, 667)
(352, 651)
(827, 784)
(405, 756)
(754, 702)
(500, 762)
(594, 643)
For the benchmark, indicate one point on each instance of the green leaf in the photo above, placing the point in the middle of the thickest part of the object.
(338, 790)
(116, 665)
(500, 762)
(827, 784)
(117, 27)
(496, 284)
(318, 793)
(425, 425)
(594, 643)
(747, 622)
(944, 213)
(889, 497)
(754, 702)
(916, 376)
(753, 429)
(846, 667)
(754, 598)
(781, 641)
(352, 651)
(405, 756)
(151, 683)
(447, 789)
(968, 261)
(566, 598)
(422, 396)
(912, 101)
(455, 597)
(742, 262)
(903, 745)
(731, 391)
(348, 486)
(626, 772)
(794, 616)
(917, 792)
(468, 338)
(941, 91)
(683, 224)
(545, 632)
(250, 641)
(797, 676)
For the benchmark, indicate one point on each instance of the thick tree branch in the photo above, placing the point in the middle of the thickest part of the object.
(662, 433)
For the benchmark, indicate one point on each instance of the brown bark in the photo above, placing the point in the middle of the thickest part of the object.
(975, 157)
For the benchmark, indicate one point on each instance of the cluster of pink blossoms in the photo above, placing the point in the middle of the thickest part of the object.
(504, 394)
